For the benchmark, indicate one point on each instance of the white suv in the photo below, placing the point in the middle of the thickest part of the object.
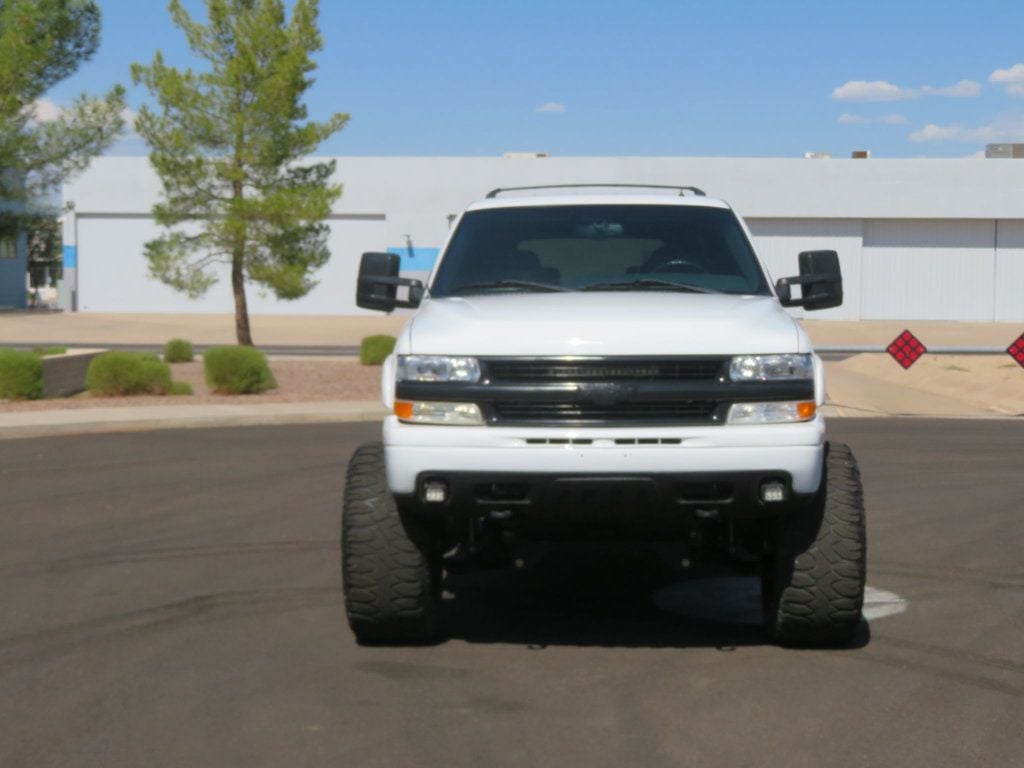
(603, 367)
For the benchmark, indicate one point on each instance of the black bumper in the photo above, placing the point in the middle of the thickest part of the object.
(655, 502)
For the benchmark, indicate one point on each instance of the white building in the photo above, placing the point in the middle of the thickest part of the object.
(918, 239)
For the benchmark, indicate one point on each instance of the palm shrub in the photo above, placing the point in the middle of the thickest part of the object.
(237, 371)
(21, 375)
(375, 349)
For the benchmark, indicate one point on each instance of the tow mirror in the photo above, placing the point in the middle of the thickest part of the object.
(378, 284)
(820, 281)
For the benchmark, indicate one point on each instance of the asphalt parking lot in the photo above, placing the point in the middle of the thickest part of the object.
(173, 599)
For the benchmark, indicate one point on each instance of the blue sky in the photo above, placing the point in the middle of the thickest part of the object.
(648, 77)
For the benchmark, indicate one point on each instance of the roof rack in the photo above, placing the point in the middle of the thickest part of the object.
(682, 190)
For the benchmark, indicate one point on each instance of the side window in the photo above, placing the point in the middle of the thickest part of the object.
(8, 247)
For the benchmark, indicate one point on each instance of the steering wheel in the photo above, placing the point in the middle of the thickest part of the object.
(680, 265)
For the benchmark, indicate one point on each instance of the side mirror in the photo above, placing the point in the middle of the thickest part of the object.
(378, 283)
(821, 282)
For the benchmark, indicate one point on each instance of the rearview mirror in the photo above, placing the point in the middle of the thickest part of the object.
(378, 283)
(820, 281)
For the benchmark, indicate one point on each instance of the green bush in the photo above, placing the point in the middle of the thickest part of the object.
(374, 349)
(47, 351)
(21, 375)
(178, 351)
(237, 371)
(181, 388)
(128, 373)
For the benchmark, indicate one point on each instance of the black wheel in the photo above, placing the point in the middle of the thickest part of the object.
(813, 583)
(390, 573)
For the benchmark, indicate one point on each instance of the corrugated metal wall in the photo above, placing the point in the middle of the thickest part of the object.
(1009, 293)
(908, 269)
(113, 271)
(928, 270)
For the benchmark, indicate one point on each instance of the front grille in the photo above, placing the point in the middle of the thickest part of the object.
(679, 411)
(606, 369)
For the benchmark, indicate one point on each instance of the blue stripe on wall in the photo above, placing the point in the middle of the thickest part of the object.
(421, 259)
(70, 257)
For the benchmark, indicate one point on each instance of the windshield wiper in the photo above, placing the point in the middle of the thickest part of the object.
(507, 284)
(627, 285)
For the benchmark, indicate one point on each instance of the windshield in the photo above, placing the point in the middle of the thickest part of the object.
(599, 247)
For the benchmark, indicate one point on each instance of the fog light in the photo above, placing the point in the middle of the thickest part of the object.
(435, 492)
(773, 492)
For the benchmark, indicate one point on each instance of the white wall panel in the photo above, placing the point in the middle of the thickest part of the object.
(1009, 293)
(113, 272)
(779, 241)
(928, 270)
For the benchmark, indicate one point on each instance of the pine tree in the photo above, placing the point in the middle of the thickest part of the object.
(41, 43)
(228, 143)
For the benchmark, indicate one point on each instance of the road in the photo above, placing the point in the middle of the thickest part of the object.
(172, 599)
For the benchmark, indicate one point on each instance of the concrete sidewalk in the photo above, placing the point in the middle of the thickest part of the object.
(144, 418)
(348, 330)
(268, 330)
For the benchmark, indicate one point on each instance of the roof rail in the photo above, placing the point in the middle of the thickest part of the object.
(682, 190)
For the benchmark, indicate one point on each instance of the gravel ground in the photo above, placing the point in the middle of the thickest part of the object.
(299, 381)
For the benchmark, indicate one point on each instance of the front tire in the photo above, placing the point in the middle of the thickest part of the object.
(390, 572)
(813, 583)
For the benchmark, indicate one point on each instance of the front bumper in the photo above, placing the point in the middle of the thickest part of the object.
(794, 451)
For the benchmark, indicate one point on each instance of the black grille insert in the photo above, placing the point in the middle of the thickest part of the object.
(606, 369)
(663, 411)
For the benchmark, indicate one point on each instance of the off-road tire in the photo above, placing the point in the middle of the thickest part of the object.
(813, 583)
(390, 574)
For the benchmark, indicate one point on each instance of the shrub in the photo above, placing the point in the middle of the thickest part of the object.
(181, 388)
(21, 375)
(178, 351)
(237, 371)
(157, 376)
(128, 373)
(47, 351)
(374, 349)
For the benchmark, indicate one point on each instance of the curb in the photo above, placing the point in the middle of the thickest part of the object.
(92, 421)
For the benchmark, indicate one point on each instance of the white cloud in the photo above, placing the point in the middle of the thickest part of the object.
(551, 106)
(129, 116)
(847, 119)
(1014, 74)
(1009, 128)
(44, 111)
(1012, 78)
(962, 89)
(883, 90)
(876, 90)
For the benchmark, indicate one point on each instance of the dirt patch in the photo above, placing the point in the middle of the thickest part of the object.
(993, 383)
(300, 380)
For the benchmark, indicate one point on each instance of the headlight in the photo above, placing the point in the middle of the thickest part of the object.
(770, 413)
(438, 368)
(450, 414)
(771, 367)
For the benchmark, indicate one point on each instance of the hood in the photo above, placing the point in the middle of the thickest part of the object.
(604, 323)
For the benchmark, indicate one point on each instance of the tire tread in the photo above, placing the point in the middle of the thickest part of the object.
(389, 578)
(816, 589)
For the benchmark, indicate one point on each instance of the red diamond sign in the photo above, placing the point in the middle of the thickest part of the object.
(906, 349)
(1016, 350)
